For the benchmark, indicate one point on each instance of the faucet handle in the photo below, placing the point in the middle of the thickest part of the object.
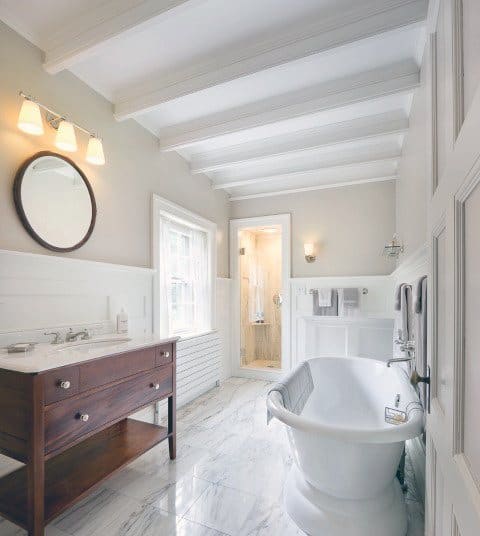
(86, 335)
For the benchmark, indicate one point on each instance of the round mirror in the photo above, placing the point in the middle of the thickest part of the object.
(55, 202)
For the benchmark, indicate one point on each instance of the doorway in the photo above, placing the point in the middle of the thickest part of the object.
(260, 257)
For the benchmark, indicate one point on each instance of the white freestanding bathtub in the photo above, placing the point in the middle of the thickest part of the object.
(343, 481)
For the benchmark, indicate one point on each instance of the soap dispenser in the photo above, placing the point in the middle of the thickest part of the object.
(122, 321)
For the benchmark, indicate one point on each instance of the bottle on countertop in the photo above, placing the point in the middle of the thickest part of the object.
(122, 321)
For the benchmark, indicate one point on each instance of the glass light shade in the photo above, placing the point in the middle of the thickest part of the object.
(30, 118)
(95, 152)
(66, 140)
(308, 248)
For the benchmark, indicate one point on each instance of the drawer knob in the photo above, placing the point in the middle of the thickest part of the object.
(156, 386)
(84, 417)
(65, 384)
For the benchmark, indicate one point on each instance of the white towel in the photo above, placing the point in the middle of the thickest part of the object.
(403, 317)
(324, 297)
(295, 388)
(417, 293)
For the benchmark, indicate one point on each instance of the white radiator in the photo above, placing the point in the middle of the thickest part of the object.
(198, 365)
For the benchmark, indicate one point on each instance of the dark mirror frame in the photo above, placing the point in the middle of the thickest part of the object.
(17, 197)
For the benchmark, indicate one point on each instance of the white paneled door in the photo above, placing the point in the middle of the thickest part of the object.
(453, 431)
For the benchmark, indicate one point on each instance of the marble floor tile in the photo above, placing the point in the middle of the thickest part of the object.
(225, 509)
(9, 529)
(227, 479)
(150, 489)
(101, 513)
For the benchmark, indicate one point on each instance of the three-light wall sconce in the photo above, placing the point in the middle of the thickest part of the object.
(30, 121)
(309, 250)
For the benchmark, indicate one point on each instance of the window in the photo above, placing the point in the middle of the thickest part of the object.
(184, 254)
(184, 265)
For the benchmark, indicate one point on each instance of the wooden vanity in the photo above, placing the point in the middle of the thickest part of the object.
(70, 427)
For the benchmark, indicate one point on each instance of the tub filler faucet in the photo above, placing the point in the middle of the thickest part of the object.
(399, 360)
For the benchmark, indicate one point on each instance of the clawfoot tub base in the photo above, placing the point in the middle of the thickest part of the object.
(319, 514)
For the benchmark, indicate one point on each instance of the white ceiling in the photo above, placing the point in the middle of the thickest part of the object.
(264, 96)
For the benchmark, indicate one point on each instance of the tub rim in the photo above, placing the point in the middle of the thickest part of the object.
(393, 434)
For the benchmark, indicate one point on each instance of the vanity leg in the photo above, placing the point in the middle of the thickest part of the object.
(36, 463)
(172, 428)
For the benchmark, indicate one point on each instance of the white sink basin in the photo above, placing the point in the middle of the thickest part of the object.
(88, 345)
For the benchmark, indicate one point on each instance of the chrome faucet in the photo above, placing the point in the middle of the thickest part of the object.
(70, 336)
(57, 337)
(399, 360)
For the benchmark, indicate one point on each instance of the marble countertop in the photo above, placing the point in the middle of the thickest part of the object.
(49, 356)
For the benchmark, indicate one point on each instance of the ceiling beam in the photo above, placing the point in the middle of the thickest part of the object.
(319, 37)
(364, 128)
(337, 94)
(87, 34)
(308, 172)
(313, 188)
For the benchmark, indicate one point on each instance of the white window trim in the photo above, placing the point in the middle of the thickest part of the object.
(163, 207)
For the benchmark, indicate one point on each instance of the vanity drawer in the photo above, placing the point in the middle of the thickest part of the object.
(69, 420)
(164, 354)
(61, 383)
(114, 368)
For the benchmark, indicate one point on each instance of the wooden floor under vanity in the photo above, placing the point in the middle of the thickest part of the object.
(71, 428)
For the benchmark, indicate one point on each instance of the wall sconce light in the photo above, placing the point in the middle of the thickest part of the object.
(309, 252)
(30, 118)
(65, 139)
(393, 249)
(30, 121)
(95, 152)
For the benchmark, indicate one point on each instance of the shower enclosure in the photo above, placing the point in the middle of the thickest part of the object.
(260, 278)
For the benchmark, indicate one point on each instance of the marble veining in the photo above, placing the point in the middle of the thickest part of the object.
(226, 481)
(48, 356)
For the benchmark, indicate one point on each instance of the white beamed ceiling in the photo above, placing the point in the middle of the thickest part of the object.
(266, 97)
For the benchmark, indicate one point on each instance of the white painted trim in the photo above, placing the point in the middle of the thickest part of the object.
(79, 262)
(306, 173)
(284, 221)
(317, 38)
(313, 188)
(321, 98)
(338, 134)
(457, 68)
(87, 34)
(437, 230)
(161, 205)
(432, 130)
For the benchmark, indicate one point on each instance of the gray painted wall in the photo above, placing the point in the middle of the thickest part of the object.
(348, 225)
(123, 187)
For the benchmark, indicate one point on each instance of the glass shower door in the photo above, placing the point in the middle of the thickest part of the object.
(260, 297)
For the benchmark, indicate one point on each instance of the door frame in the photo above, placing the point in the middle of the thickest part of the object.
(284, 221)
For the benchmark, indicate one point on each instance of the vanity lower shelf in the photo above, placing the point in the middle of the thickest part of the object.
(72, 474)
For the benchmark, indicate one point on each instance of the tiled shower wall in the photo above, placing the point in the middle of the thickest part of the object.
(260, 341)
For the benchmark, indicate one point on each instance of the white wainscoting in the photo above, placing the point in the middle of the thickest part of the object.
(340, 337)
(41, 293)
(412, 267)
(367, 334)
(223, 319)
